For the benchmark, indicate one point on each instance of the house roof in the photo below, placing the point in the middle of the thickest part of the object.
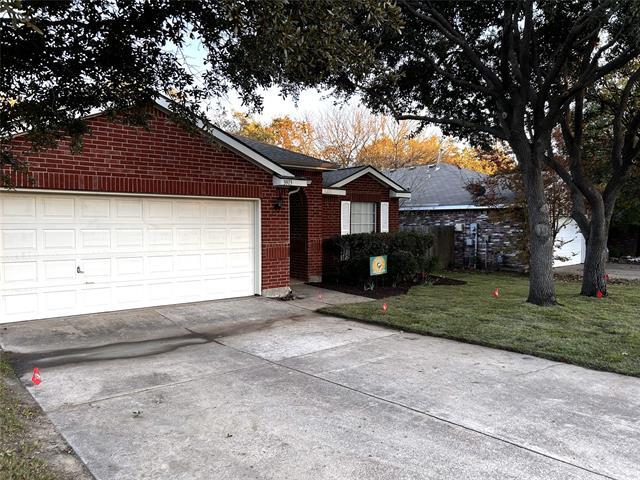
(331, 178)
(339, 178)
(284, 157)
(438, 186)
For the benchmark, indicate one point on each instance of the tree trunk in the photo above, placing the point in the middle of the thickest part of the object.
(593, 273)
(541, 284)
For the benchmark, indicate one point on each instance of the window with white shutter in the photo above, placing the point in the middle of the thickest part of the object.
(345, 218)
(384, 216)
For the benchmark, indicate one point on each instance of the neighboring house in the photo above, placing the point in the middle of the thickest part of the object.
(440, 197)
(143, 217)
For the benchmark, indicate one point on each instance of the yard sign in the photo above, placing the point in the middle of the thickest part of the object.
(378, 265)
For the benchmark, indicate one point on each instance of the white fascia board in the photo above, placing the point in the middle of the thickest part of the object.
(372, 171)
(334, 191)
(290, 182)
(234, 144)
(451, 207)
(400, 194)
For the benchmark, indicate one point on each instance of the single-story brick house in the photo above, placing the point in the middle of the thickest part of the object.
(440, 197)
(143, 217)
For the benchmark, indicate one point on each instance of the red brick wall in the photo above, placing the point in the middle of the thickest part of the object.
(363, 189)
(166, 160)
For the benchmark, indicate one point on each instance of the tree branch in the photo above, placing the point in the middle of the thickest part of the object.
(456, 80)
(564, 51)
(454, 121)
(441, 23)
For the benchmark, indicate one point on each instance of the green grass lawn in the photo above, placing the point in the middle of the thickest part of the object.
(18, 452)
(603, 334)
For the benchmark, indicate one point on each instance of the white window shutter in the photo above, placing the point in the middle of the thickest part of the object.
(345, 218)
(384, 216)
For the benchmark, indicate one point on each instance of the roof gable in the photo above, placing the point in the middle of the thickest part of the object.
(340, 178)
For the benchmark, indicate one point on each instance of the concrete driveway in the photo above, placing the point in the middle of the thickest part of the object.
(265, 389)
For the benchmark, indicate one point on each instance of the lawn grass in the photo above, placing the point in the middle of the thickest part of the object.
(602, 334)
(17, 452)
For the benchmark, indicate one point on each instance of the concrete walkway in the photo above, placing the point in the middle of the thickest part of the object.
(267, 389)
(618, 271)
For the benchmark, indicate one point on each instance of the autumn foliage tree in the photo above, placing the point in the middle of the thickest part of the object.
(295, 135)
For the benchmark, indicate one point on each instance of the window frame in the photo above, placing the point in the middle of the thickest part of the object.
(358, 227)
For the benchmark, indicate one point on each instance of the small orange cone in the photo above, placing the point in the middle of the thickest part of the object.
(36, 378)
(385, 307)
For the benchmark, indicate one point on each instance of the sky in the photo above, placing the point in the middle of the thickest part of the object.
(311, 101)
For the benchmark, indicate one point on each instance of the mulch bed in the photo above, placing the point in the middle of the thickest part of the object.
(384, 291)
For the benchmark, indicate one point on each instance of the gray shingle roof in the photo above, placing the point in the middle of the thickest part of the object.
(335, 176)
(436, 185)
(284, 157)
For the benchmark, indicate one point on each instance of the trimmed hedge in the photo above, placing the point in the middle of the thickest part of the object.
(407, 253)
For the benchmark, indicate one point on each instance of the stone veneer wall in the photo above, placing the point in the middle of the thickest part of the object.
(496, 239)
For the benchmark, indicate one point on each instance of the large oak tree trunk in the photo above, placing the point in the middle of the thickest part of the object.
(541, 284)
(593, 274)
(594, 270)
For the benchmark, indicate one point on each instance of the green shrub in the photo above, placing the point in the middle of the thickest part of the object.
(402, 266)
(346, 258)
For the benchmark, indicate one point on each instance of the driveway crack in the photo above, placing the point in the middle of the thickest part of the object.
(434, 416)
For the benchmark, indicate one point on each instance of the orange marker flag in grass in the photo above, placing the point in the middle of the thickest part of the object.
(385, 307)
(495, 293)
(599, 294)
(36, 378)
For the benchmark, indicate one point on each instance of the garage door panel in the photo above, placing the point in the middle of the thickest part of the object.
(160, 264)
(20, 272)
(160, 237)
(95, 268)
(94, 239)
(59, 302)
(129, 266)
(22, 240)
(130, 295)
(214, 238)
(94, 208)
(125, 238)
(58, 239)
(215, 262)
(241, 261)
(131, 252)
(91, 299)
(58, 208)
(23, 304)
(128, 210)
(19, 207)
(240, 237)
(187, 212)
(59, 270)
(188, 263)
(215, 213)
(239, 212)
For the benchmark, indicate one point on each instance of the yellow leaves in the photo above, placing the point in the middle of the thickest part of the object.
(295, 135)
(12, 101)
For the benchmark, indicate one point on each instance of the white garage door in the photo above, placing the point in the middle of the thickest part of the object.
(570, 245)
(69, 254)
